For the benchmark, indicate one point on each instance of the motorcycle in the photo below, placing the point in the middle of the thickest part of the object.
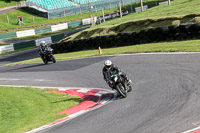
(48, 55)
(120, 84)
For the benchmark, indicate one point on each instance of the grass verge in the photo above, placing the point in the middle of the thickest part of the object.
(182, 46)
(32, 21)
(38, 21)
(2, 44)
(183, 11)
(25, 108)
(5, 3)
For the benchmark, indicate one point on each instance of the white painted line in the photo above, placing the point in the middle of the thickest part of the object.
(189, 131)
(41, 80)
(6, 79)
(10, 79)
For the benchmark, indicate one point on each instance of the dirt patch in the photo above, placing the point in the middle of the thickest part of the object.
(8, 7)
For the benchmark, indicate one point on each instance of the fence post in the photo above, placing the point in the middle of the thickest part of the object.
(8, 19)
(141, 1)
(103, 15)
(120, 10)
(169, 2)
(95, 8)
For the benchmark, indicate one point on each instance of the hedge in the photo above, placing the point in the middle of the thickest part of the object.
(160, 34)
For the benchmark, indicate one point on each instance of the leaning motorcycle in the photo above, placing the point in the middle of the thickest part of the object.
(48, 55)
(120, 84)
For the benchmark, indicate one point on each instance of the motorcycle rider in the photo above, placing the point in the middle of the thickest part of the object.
(109, 69)
(42, 49)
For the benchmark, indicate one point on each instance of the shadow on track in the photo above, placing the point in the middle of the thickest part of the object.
(22, 68)
(27, 67)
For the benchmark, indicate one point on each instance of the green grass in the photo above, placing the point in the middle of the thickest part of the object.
(179, 10)
(182, 46)
(38, 21)
(42, 22)
(1, 44)
(25, 108)
(5, 3)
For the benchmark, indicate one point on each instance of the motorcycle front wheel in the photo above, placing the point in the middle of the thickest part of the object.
(121, 90)
(129, 88)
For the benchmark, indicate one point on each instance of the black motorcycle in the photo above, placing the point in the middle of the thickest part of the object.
(120, 84)
(48, 55)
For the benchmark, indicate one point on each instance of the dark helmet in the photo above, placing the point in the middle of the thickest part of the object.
(108, 64)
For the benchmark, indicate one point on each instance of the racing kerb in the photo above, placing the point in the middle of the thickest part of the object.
(92, 98)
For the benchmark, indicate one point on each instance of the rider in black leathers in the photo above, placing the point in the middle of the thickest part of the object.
(110, 69)
(42, 48)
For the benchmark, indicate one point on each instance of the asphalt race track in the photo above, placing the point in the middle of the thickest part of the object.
(165, 96)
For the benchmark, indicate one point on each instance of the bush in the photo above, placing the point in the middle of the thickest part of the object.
(197, 19)
(160, 34)
(176, 22)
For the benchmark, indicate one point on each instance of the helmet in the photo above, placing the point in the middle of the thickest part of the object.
(108, 64)
(42, 43)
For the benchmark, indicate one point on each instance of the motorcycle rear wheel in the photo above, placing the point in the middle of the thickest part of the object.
(53, 59)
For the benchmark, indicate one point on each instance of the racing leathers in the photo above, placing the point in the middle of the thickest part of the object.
(113, 70)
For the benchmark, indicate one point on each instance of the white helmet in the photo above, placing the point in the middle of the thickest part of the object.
(108, 64)
(42, 43)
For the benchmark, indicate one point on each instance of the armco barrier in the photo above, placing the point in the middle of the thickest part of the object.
(74, 24)
(43, 30)
(31, 43)
(22, 45)
(86, 21)
(6, 48)
(8, 35)
(160, 34)
(46, 39)
(59, 27)
(25, 33)
(57, 38)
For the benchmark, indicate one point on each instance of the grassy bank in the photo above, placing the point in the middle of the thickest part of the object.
(25, 108)
(5, 3)
(38, 21)
(180, 11)
(42, 22)
(182, 46)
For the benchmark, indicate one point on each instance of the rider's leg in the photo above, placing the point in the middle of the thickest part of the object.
(125, 76)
